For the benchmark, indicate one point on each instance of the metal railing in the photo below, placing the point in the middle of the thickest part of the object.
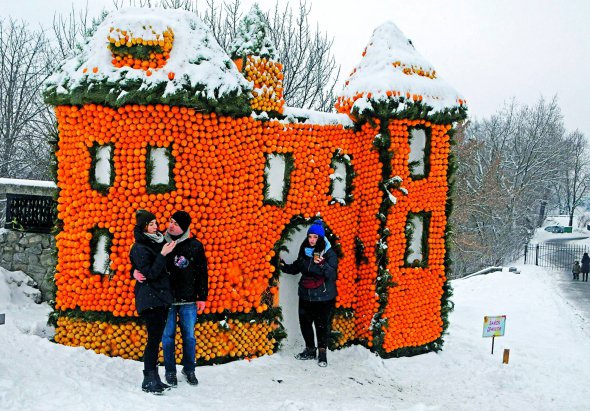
(27, 205)
(560, 256)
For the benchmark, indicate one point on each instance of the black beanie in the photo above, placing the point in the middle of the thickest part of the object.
(143, 218)
(183, 219)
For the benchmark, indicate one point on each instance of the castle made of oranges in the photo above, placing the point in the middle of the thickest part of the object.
(153, 114)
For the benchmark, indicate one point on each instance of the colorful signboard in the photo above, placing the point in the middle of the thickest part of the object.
(494, 326)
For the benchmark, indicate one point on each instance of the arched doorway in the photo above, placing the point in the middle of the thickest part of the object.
(287, 248)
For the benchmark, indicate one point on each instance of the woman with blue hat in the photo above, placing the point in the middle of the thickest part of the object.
(318, 263)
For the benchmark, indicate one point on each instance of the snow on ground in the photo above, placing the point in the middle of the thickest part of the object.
(549, 363)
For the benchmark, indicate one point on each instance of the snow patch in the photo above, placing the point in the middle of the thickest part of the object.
(160, 173)
(102, 170)
(275, 176)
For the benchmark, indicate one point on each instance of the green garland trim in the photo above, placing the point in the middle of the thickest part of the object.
(149, 168)
(97, 233)
(414, 110)
(359, 252)
(425, 216)
(426, 158)
(346, 160)
(94, 149)
(289, 167)
(137, 51)
(134, 91)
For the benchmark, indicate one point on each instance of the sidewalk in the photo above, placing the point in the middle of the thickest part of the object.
(577, 292)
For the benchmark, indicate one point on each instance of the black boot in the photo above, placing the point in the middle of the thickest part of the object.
(307, 354)
(191, 378)
(171, 378)
(165, 387)
(150, 383)
(322, 358)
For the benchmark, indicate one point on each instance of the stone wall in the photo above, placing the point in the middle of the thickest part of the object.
(32, 253)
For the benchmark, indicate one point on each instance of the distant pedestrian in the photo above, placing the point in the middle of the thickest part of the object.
(585, 266)
(576, 270)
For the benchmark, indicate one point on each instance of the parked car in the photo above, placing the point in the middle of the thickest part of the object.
(554, 229)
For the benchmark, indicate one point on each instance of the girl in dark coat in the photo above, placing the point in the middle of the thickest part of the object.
(585, 266)
(318, 264)
(152, 296)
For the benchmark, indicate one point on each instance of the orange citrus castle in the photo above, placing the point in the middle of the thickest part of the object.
(218, 142)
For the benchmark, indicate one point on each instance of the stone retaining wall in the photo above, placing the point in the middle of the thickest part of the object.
(32, 253)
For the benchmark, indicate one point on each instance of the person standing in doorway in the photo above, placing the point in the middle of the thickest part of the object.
(318, 263)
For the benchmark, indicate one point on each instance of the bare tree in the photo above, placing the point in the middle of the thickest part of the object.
(23, 69)
(508, 166)
(575, 183)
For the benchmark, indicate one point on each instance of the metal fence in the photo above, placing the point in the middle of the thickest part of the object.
(27, 205)
(560, 256)
(30, 213)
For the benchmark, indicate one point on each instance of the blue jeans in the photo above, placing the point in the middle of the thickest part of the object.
(187, 316)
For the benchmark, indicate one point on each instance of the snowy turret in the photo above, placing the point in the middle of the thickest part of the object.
(393, 74)
(253, 37)
(151, 56)
(254, 54)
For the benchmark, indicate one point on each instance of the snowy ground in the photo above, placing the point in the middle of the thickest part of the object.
(548, 370)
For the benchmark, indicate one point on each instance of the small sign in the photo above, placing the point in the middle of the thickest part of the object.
(494, 326)
(2, 318)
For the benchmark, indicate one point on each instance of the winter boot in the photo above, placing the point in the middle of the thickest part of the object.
(191, 378)
(171, 378)
(322, 358)
(150, 383)
(307, 354)
(165, 387)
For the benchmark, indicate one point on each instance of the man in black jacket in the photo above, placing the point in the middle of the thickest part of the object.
(187, 266)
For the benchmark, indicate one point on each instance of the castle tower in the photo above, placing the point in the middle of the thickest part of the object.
(415, 109)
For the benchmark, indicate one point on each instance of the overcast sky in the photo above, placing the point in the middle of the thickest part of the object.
(489, 50)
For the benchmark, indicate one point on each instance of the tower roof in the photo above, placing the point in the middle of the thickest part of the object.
(392, 70)
(142, 55)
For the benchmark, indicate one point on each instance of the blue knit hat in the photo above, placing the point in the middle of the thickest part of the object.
(317, 228)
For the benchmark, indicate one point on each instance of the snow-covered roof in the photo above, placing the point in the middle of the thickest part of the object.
(197, 71)
(391, 68)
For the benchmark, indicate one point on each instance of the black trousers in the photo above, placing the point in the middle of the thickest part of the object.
(318, 314)
(155, 321)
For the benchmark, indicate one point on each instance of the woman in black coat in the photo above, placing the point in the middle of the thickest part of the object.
(152, 296)
(585, 266)
(318, 263)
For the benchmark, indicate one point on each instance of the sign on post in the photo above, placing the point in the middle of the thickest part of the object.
(494, 327)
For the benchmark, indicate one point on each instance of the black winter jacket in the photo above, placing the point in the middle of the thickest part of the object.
(146, 257)
(585, 264)
(189, 277)
(310, 271)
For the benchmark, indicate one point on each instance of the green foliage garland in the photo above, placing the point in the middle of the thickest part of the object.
(289, 167)
(409, 233)
(340, 157)
(149, 169)
(134, 91)
(427, 149)
(101, 188)
(98, 233)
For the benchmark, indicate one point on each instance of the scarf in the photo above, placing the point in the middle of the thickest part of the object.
(177, 238)
(309, 250)
(156, 238)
